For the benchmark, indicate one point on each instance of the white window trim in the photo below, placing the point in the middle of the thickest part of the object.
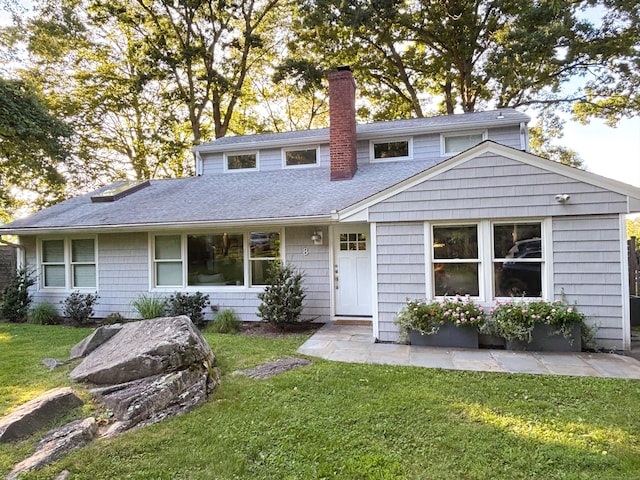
(485, 256)
(68, 263)
(235, 170)
(372, 143)
(298, 148)
(246, 286)
(444, 136)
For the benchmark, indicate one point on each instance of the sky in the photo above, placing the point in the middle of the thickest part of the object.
(606, 151)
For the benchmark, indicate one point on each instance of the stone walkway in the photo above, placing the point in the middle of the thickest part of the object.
(355, 344)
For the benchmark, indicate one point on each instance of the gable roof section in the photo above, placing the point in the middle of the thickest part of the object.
(438, 124)
(357, 212)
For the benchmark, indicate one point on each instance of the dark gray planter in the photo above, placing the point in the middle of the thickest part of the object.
(634, 303)
(545, 340)
(447, 336)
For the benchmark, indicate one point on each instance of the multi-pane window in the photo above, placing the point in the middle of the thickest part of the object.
(488, 259)
(391, 150)
(246, 161)
(456, 260)
(215, 259)
(293, 158)
(517, 259)
(353, 241)
(68, 263)
(458, 143)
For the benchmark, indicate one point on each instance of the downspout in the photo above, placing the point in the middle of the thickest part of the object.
(524, 137)
(199, 166)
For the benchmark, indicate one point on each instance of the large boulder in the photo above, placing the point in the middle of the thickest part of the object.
(37, 413)
(93, 341)
(144, 349)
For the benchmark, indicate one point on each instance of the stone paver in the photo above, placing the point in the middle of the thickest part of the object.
(355, 344)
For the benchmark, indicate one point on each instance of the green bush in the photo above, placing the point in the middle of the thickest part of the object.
(44, 314)
(78, 307)
(16, 299)
(283, 296)
(150, 306)
(113, 318)
(188, 304)
(226, 322)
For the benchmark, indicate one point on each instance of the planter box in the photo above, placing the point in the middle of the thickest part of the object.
(544, 340)
(448, 336)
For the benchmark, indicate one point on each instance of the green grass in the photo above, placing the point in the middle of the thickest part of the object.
(342, 421)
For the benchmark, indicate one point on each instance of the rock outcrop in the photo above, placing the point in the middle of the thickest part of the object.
(274, 368)
(37, 413)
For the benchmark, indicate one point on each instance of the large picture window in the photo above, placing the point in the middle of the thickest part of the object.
(68, 263)
(215, 259)
(488, 259)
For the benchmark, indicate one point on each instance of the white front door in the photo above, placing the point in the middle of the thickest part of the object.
(352, 270)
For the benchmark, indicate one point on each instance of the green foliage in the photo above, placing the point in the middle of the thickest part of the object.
(226, 321)
(633, 230)
(79, 307)
(283, 296)
(32, 143)
(149, 306)
(515, 319)
(44, 314)
(428, 317)
(14, 305)
(114, 318)
(188, 304)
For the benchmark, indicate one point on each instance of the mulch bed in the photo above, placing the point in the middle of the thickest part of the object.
(264, 329)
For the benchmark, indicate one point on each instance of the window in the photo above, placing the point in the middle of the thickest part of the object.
(456, 260)
(399, 149)
(168, 261)
(488, 259)
(245, 161)
(517, 259)
(214, 259)
(68, 263)
(264, 250)
(459, 143)
(295, 158)
(353, 241)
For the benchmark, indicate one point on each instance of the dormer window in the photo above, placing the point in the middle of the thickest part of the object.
(394, 150)
(300, 157)
(452, 144)
(241, 161)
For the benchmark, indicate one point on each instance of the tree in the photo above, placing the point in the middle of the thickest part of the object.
(470, 54)
(33, 148)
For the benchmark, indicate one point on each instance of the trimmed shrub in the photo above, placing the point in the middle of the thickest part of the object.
(44, 314)
(16, 299)
(113, 318)
(226, 322)
(150, 306)
(283, 296)
(78, 307)
(188, 304)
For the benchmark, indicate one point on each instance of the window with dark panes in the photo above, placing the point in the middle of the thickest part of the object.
(264, 251)
(215, 259)
(391, 149)
(241, 162)
(456, 260)
(301, 157)
(517, 259)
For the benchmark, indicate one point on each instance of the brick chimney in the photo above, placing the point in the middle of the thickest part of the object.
(342, 124)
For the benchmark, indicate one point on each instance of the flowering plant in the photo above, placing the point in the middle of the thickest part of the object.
(428, 317)
(515, 319)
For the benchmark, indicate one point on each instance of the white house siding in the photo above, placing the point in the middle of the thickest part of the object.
(268, 159)
(586, 245)
(313, 262)
(587, 271)
(401, 271)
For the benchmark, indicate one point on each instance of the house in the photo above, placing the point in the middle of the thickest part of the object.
(372, 214)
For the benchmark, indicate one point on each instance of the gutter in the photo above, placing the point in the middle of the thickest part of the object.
(145, 227)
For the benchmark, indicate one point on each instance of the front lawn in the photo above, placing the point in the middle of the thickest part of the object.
(343, 421)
